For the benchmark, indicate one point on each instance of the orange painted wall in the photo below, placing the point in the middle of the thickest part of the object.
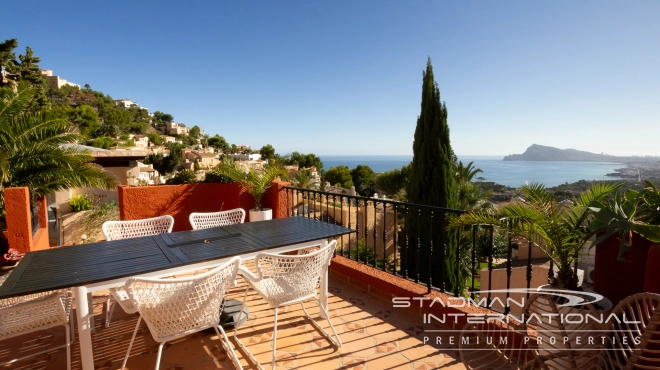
(276, 199)
(19, 223)
(179, 201)
(17, 206)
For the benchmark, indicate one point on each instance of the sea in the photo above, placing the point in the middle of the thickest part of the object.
(509, 173)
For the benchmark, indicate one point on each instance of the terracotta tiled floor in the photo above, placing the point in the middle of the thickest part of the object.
(375, 336)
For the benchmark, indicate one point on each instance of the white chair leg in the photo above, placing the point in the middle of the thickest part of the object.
(222, 336)
(160, 352)
(73, 328)
(336, 342)
(274, 340)
(240, 313)
(68, 347)
(130, 345)
(240, 345)
(109, 309)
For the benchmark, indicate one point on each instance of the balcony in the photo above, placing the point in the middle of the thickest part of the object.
(379, 262)
(374, 334)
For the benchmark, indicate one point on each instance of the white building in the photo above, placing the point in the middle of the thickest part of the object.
(141, 140)
(55, 82)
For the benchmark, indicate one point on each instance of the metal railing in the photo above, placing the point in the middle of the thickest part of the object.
(411, 241)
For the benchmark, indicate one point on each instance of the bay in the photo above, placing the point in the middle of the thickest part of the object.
(509, 173)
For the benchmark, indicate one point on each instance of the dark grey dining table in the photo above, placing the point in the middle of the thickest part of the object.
(92, 267)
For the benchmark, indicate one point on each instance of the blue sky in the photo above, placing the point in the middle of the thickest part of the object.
(344, 77)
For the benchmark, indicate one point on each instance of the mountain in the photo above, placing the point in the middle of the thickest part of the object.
(547, 153)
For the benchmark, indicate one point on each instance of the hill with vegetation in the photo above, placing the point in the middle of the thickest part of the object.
(547, 153)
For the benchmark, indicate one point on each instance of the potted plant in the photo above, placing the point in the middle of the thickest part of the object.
(256, 183)
(629, 212)
(557, 228)
(10, 259)
(626, 227)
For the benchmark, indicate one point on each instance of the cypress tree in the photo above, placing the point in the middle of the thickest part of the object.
(431, 182)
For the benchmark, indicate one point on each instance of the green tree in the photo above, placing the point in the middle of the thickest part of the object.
(302, 180)
(194, 132)
(394, 181)
(306, 160)
(196, 165)
(156, 139)
(432, 182)
(338, 175)
(466, 173)
(183, 177)
(86, 119)
(162, 117)
(108, 130)
(218, 142)
(102, 142)
(27, 69)
(363, 178)
(33, 151)
(7, 55)
(267, 152)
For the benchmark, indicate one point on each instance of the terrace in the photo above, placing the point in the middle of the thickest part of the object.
(374, 335)
(371, 267)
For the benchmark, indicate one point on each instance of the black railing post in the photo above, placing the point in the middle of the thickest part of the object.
(429, 283)
(458, 268)
(529, 266)
(349, 226)
(474, 257)
(406, 244)
(384, 236)
(417, 246)
(357, 230)
(443, 253)
(375, 233)
(396, 236)
(490, 264)
(507, 309)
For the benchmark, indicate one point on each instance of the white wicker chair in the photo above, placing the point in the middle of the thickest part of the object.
(635, 336)
(215, 219)
(288, 279)
(116, 230)
(34, 312)
(174, 308)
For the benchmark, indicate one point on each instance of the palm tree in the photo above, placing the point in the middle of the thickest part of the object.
(34, 150)
(256, 183)
(559, 230)
(302, 180)
(466, 173)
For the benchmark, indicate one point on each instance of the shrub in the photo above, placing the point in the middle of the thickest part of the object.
(96, 217)
(80, 202)
(183, 177)
(215, 176)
